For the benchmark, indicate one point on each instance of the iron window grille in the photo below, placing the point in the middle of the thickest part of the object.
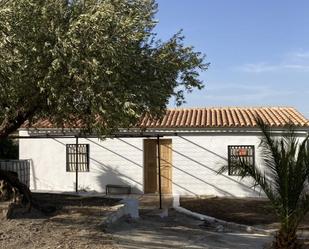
(238, 154)
(82, 157)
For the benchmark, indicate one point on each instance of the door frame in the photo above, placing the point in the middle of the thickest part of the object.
(170, 188)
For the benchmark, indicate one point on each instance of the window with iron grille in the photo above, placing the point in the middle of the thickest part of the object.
(238, 154)
(82, 157)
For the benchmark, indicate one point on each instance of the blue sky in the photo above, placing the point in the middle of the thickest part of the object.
(258, 50)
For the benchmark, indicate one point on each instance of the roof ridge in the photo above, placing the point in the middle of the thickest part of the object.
(218, 117)
(229, 107)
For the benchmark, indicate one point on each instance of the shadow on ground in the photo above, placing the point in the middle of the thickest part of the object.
(178, 231)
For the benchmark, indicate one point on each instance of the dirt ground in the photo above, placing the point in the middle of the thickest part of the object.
(248, 211)
(75, 222)
(72, 222)
(179, 231)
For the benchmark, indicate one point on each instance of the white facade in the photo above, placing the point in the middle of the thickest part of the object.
(196, 160)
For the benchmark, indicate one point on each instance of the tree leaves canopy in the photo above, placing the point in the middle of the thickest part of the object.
(88, 60)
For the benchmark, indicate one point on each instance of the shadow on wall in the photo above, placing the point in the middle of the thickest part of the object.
(246, 188)
(106, 174)
(34, 179)
(111, 175)
(129, 160)
(202, 181)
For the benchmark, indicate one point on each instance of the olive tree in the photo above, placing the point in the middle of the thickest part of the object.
(97, 61)
(90, 60)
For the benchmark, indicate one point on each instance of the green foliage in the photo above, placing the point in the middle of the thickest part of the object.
(92, 60)
(284, 177)
(8, 149)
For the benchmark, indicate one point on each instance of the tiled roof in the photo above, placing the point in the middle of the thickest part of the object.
(47, 124)
(225, 117)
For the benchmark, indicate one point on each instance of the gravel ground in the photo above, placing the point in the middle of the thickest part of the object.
(80, 229)
(179, 231)
(74, 224)
(62, 231)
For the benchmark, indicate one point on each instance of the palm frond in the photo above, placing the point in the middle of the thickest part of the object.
(244, 169)
(284, 177)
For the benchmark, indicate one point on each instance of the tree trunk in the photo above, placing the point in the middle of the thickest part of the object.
(12, 124)
(286, 240)
(22, 188)
(6, 192)
(8, 126)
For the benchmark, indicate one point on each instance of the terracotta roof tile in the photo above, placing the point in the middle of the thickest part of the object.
(228, 117)
(231, 117)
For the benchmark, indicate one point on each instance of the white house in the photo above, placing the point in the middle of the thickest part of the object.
(194, 144)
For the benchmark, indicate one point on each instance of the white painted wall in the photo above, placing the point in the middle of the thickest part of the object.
(120, 161)
(111, 162)
(197, 160)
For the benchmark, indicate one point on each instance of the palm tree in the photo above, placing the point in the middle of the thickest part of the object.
(284, 178)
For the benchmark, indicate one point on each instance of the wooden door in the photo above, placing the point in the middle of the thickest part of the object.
(151, 174)
(150, 166)
(166, 165)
